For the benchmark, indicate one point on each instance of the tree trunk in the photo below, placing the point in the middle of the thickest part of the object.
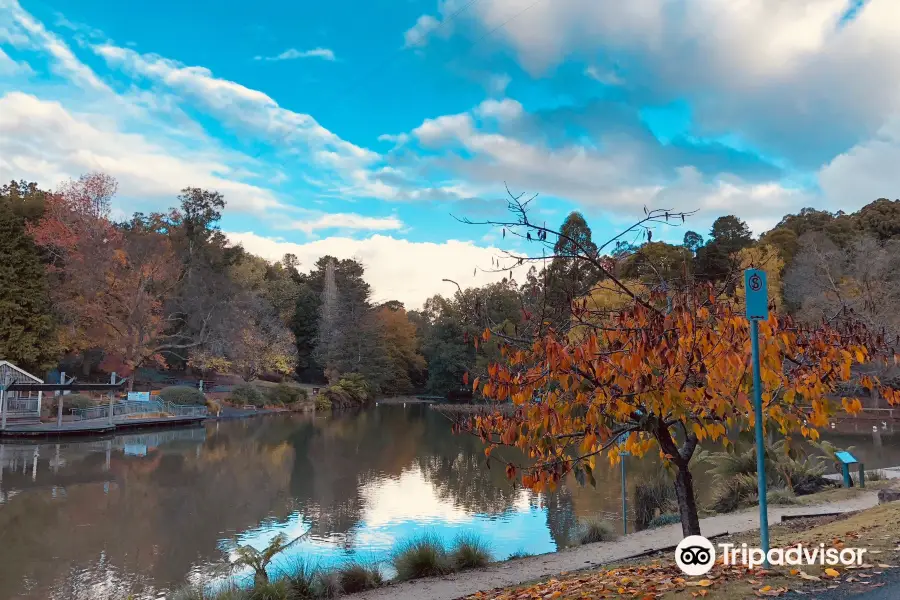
(687, 504)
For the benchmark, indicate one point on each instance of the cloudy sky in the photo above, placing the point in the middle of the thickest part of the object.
(358, 128)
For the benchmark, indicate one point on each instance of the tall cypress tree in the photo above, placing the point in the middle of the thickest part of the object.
(27, 328)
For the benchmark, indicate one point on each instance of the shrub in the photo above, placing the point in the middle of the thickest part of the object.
(302, 580)
(357, 577)
(76, 401)
(271, 590)
(286, 394)
(422, 557)
(877, 475)
(652, 498)
(322, 402)
(781, 495)
(663, 520)
(350, 391)
(596, 530)
(182, 394)
(733, 492)
(470, 552)
(521, 553)
(246, 393)
(328, 585)
(198, 592)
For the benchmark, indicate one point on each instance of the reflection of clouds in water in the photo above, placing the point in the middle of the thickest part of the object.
(407, 498)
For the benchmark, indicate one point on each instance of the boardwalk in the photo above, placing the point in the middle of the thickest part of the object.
(95, 426)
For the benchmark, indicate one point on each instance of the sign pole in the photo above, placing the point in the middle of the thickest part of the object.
(624, 500)
(758, 309)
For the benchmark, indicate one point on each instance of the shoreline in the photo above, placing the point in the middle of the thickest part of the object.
(519, 571)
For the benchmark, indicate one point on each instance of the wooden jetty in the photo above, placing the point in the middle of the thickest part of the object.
(95, 427)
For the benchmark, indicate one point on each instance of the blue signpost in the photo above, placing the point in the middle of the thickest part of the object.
(758, 310)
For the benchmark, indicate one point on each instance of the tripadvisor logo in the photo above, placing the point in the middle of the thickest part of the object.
(695, 555)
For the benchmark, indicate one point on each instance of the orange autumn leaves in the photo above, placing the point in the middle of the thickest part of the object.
(676, 364)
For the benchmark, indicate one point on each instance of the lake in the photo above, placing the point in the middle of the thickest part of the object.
(141, 514)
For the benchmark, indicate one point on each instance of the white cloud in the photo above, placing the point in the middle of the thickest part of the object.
(433, 132)
(417, 35)
(603, 76)
(293, 53)
(506, 109)
(397, 269)
(252, 111)
(346, 221)
(42, 141)
(497, 84)
(866, 172)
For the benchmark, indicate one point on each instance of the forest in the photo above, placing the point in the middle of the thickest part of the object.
(168, 291)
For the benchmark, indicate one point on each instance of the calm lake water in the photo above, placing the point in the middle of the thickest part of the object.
(141, 514)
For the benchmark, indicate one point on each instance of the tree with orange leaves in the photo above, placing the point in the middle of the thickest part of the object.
(109, 285)
(667, 368)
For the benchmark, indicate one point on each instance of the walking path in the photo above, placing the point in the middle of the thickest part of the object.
(516, 572)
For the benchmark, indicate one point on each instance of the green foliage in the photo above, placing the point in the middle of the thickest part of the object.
(248, 556)
(421, 557)
(322, 402)
(182, 394)
(199, 592)
(77, 401)
(247, 393)
(652, 498)
(287, 394)
(356, 577)
(328, 585)
(663, 520)
(596, 530)
(876, 475)
(781, 495)
(271, 590)
(27, 327)
(521, 553)
(734, 492)
(350, 391)
(470, 552)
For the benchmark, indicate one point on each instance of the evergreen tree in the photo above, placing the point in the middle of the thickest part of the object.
(27, 328)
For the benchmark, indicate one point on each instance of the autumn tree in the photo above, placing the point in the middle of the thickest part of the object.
(669, 371)
(401, 347)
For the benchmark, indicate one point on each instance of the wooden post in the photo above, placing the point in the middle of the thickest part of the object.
(2, 407)
(112, 380)
(59, 401)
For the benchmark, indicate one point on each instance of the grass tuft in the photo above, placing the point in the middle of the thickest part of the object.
(782, 496)
(357, 577)
(470, 552)
(663, 520)
(421, 557)
(520, 553)
(273, 590)
(596, 530)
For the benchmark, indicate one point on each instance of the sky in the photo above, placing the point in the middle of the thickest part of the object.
(370, 129)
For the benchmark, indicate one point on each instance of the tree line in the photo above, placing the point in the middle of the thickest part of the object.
(167, 290)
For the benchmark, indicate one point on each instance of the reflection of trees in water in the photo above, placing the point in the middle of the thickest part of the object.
(162, 513)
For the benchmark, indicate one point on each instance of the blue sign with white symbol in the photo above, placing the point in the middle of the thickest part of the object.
(757, 294)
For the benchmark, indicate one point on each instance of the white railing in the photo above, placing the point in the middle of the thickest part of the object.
(21, 406)
(126, 408)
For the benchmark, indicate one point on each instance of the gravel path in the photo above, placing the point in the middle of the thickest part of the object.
(516, 572)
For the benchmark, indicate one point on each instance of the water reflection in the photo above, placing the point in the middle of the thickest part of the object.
(139, 514)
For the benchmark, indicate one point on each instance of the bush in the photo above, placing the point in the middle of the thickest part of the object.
(350, 391)
(286, 394)
(596, 530)
(273, 590)
(663, 520)
(246, 393)
(357, 577)
(322, 402)
(182, 394)
(76, 401)
(653, 498)
(328, 585)
(734, 492)
(470, 552)
(422, 557)
(198, 592)
(877, 475)
(783, 496)
(521, 553)
(302, 580)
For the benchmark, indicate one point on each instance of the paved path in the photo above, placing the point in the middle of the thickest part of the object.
(516, 572)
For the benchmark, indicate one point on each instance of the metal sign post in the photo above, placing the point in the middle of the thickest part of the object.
(757, 291)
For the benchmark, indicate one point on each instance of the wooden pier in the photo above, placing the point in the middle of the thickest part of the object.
(94, 427)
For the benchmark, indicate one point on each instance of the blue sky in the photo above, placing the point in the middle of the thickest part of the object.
(357, 129)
